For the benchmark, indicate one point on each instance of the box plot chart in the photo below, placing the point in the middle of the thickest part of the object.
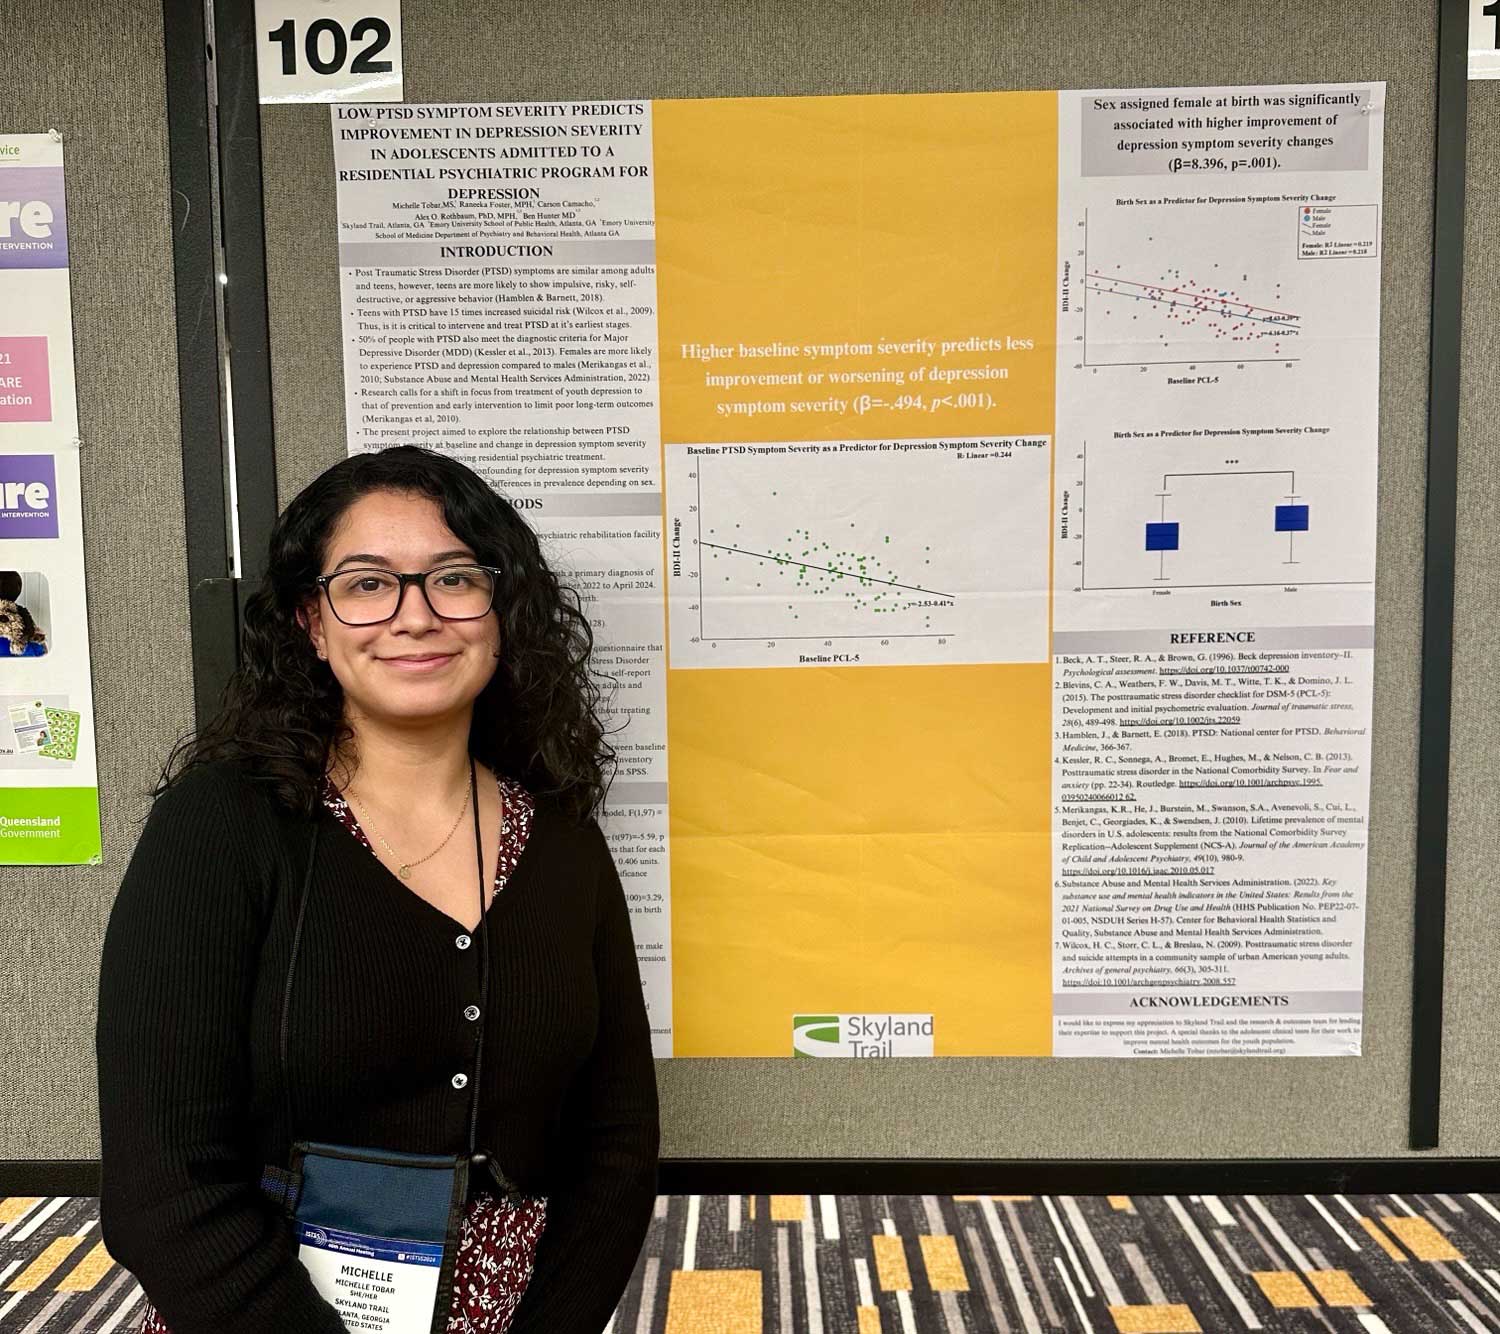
(1164, 292)
(895, 559)
(1232, 527)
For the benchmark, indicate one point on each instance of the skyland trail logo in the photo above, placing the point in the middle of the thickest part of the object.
(861, 1035)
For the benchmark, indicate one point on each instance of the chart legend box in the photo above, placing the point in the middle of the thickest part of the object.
(1338, 231)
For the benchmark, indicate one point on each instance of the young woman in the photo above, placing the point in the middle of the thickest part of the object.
(409, 658)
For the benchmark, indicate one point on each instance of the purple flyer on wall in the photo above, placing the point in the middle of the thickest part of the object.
(33, 218)
(28, 496)
(49, 775)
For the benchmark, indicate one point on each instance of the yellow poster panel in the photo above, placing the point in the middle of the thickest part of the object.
(889, 247)
(844, 838)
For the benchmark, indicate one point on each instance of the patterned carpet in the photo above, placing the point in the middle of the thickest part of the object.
(951, 1264)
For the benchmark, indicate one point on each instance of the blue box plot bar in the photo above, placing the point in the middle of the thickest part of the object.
(1162, 536)
(1291, 518)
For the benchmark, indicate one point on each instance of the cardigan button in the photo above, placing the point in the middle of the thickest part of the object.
(460, 1080)
(471, 1012)
(462, 942)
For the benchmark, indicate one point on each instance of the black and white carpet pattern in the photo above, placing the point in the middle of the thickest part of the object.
(950, 1264)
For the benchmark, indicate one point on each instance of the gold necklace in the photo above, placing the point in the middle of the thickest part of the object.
(403, 869)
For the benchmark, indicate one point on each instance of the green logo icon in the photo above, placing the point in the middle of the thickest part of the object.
(815, 1035)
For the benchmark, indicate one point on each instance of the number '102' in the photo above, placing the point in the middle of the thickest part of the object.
(328, 56)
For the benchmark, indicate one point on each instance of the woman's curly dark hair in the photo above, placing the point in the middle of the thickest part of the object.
(282, 715)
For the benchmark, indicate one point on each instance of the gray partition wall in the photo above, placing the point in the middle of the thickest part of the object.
(1471, 1066)
(461, 50)
(95, 73)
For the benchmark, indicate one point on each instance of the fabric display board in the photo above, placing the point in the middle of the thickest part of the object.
(974, 496)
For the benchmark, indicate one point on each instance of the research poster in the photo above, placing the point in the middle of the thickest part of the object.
(974, 498)
(49, 800)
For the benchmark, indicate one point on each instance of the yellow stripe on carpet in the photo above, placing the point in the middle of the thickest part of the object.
(88, 1271)
(40, 1269)
(12, 1208)
(1337, 1287)
(945, 1271)
(1383, 1241)
(1283, 1289)
(714, 1301)
(1422, 1239)
(1172, 1319)
(890, 1264)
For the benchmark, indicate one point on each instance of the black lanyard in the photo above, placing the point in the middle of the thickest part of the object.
(484, 973)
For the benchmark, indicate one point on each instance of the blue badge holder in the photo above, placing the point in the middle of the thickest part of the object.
(377, 1230)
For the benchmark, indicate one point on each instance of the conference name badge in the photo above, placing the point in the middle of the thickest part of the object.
(381, 1285)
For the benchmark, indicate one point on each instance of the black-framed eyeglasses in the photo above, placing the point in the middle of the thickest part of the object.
(367, 595)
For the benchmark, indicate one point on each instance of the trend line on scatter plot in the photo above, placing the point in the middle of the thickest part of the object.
(1219, 310)
(820, 568)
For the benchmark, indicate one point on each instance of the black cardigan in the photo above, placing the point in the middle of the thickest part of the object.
(190, 1098)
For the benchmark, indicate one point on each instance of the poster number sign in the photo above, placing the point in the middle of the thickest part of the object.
(1484, 39)
(329, 50)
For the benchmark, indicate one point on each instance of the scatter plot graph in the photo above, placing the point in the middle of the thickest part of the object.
(858, 554)
(1179, 287)
(801, 564)
(1188, 308)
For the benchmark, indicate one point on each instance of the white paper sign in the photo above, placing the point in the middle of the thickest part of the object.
(378, 1285)
(1484, 39)
(329, 50)
(422, 213)
(1213, 641)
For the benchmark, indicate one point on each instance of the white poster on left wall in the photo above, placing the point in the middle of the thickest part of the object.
(49, 795)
